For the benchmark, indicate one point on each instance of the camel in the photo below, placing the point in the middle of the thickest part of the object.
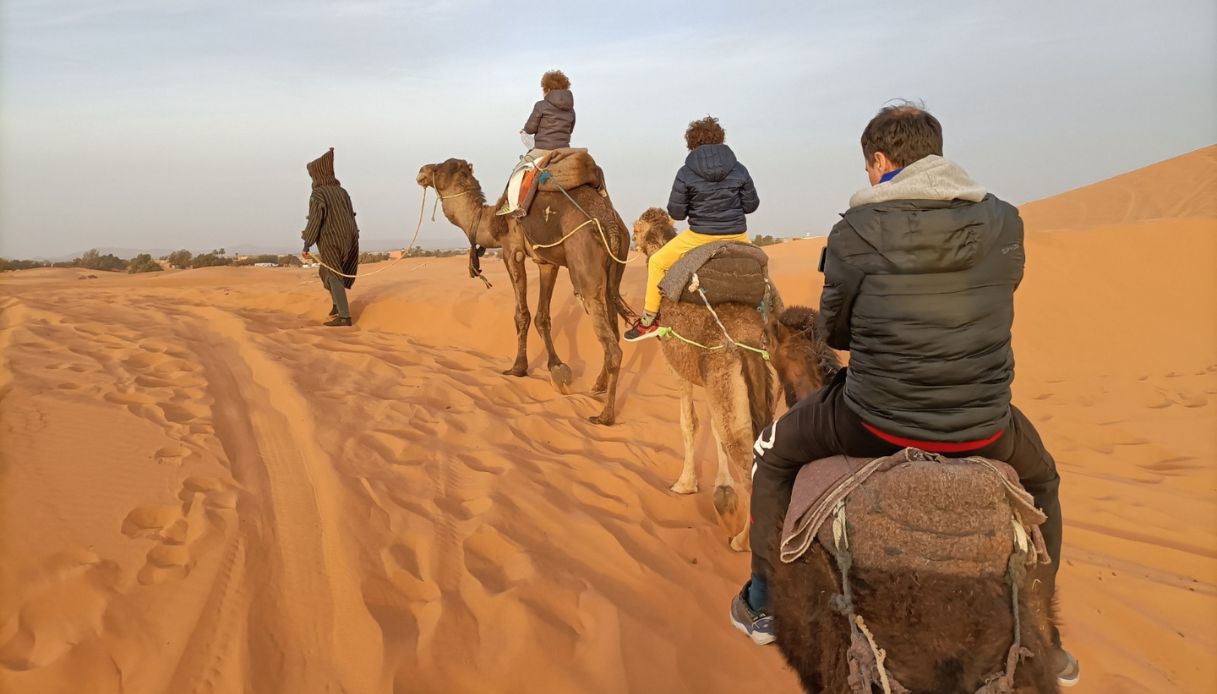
(738, 384)
(586, 254)
(940, 633)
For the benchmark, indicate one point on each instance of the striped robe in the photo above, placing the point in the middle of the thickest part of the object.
(331, 223)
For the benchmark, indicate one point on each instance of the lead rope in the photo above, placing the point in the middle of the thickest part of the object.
(475, 267)
(730, 340)
(866, 658)
(405, 251)
(590, 219)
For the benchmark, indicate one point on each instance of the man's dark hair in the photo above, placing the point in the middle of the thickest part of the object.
(904, 131)
(706, 131)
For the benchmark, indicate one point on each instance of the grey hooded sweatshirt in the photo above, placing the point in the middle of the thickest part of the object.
(919, 280)
(552, 120)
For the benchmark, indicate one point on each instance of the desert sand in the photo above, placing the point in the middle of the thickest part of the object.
(202, 490)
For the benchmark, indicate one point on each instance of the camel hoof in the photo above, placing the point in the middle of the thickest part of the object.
(516, 371)
(682, 487)
(602, 420)
(560, 376)
(726, 501)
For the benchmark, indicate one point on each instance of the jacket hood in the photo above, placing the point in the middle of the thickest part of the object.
(711, 162)
(561, 98)
(321, 170)
(929, 178)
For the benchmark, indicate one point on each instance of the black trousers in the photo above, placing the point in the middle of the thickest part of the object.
(822, 425)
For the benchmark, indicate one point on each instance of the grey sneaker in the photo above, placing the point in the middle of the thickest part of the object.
(757, 624)
(1068, 671)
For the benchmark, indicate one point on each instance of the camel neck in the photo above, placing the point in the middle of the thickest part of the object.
(473, 218)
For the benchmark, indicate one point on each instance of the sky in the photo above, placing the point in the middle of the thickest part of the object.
(156, 124)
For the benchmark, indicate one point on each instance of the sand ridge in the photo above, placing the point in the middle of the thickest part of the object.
(201, 490)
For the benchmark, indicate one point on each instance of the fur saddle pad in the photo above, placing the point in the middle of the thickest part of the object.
(727, 271)
(569, 168)
(915, 511)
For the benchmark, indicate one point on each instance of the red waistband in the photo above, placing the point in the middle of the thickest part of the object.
(935, 446)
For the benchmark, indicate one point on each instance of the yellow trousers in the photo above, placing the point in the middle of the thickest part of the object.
(672, 251)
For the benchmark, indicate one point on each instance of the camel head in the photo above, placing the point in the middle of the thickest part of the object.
(802, 358)
(449, 177)
(652, 230)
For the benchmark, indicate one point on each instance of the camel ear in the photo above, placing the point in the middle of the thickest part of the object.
(778, 332)
(469, 166)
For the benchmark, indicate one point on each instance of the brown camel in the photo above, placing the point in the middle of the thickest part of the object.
(738, 384)
(593, 272)
(940, 633)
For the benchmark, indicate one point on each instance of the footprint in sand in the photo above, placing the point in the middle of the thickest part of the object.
(59, 611)
(181, 530)
(496, 562)
(1191, 399)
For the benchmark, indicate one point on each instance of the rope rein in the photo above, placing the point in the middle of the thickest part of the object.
(590, 220)
(475, 269)
(730, 340)
(405, 251)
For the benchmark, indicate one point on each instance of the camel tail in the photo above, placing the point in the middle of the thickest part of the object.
(762, 395)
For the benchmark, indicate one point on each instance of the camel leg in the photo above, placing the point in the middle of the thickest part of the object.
(687, 483)
(514, 260)
(559, 373)
(602, 380)
(597, 310)
(728, 396)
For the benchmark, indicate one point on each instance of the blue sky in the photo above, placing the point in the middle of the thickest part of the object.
(182, 123)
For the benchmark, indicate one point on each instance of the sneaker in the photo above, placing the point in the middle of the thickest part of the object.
(757, 624)
(639, 332)
(339, 322)
(1068, 671)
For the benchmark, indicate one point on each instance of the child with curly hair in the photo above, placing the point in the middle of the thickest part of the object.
(714, 192)
(551, 123)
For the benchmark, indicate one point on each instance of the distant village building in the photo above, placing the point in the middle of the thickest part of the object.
(266, 264)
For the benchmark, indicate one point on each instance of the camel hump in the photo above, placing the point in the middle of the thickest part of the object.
(567, 169)
(727, 271)
(915, 511)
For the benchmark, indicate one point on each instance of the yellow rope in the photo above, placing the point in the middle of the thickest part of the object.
(561, 240)
(667, 332)
(599, 227)
(730, 340)
(405, 252)
(880, 654)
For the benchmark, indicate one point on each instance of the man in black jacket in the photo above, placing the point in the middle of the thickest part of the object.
(715, 192)
(919, 280)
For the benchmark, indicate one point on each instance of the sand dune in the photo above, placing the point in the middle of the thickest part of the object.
(1184, 187)
(203, 491)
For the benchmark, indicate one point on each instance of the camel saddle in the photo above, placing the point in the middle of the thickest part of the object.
(561, 170)
(569, 168)
(914, 511)
(727, 271)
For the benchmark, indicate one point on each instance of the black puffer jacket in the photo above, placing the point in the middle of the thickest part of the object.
(919, 287)
(714, 191)
(552, 120)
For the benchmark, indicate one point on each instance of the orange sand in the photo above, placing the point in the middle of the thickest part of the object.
(203, 491)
